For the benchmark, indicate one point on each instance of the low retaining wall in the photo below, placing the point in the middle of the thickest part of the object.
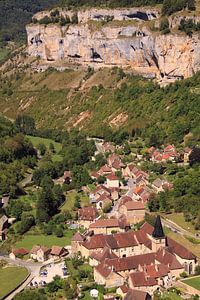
(189, 289)
(21, 283)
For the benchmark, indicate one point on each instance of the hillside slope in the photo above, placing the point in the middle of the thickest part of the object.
(105, 100)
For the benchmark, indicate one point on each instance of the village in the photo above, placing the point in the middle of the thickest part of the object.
(111, 235)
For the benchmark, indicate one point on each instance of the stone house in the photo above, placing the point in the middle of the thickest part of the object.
(18, 252)
(104, 275)
(103, 200)
(112, 181)
(86, 216)
(58, 252)
(40, 253)
(108, 226)
(134, 211)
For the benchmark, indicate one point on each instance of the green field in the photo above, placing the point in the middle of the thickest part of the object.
(29, 241)
(178, 218)
(10, 278)
(194, 282)
(70, 199)
(38, 140)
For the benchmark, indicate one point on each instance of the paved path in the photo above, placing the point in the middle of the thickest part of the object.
(176, 228)
(20, 288)
(32, 267)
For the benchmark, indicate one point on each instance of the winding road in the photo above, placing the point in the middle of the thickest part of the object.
(32, 267)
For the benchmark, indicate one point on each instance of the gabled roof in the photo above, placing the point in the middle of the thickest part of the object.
(104, 197)
(105, 223)
(36, 248)
(124, 200)
(88, 213)
(168, 259)
(134, 205)
(105, 169)
(57, 250)
(77, 237)
(179, 250)
(139, 279)
(20, 251)
(147, 228)
(125, 239)
(101, 189)
(131, 262)
(112, 177)
(104, 270)
(137, 295)
(107, 253)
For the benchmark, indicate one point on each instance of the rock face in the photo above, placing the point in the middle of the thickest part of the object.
(130, 46)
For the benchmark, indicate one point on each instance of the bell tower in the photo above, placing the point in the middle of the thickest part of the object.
(158, 236)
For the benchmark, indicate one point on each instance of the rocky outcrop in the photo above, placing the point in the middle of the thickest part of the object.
(130, 46)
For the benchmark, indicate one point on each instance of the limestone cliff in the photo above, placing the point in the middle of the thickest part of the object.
(124, 43)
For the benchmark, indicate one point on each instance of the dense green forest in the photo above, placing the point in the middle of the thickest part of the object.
(16, 155)
(14, 15)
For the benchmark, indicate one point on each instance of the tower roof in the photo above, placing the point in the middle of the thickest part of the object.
(158, 229)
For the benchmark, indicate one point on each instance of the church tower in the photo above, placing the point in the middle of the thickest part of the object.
(158, 236)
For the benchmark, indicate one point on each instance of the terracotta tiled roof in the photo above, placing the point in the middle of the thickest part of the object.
(179, 250)
(169, 148)
(103, 223)
(137, 295)
(104, 270)
(147, 228)
(124, 288)
(56, 250)
(163, 270)
(125, 239)
(95, 174)
(38, 247)
(101, 189)
(139, 279)
(20, 251)
(125, 199)
(104, 197)
(112, 177)
(77, 237)
(166, 258)
(131, 262)
(105, 254)
(105, 169)
(134, 205)
(151, 271)
(88, 213)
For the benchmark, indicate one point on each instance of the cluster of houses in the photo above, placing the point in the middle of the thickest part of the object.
(139, 261)
(40, 253)
(128, 200)
(169, 153)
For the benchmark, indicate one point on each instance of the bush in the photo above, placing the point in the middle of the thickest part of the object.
(59, 232)
(183, 275)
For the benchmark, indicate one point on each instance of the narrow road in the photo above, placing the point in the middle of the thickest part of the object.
(176, 228)
(32, 267)
(20, 288)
